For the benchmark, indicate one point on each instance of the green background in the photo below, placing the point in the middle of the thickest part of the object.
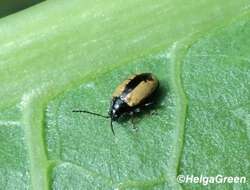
(61, 55)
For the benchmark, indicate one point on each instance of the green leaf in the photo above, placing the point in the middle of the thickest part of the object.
(216, 79)
(130, 159)
(59, 56)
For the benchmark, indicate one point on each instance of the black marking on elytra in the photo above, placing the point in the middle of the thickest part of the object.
(136, 81)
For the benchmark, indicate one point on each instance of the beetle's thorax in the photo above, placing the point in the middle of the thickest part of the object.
(117, 108)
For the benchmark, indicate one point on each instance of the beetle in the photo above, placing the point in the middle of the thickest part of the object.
(130, 97)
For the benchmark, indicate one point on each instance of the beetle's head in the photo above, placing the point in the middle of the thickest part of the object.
(117, 108)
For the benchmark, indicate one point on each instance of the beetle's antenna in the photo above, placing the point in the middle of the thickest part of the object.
(97, 114)
(111, 125)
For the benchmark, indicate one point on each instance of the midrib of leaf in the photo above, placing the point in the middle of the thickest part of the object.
(150, 35)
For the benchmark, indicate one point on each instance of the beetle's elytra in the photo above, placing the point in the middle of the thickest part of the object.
(131, 96)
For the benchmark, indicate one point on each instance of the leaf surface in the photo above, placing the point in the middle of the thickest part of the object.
(216, 79)
(59, 56)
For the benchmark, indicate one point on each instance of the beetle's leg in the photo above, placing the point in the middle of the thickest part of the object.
(148, 104)
(132, 113)
(154, 112)
(133, 124)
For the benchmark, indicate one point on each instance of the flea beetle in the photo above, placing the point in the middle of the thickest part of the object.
(132, 95)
